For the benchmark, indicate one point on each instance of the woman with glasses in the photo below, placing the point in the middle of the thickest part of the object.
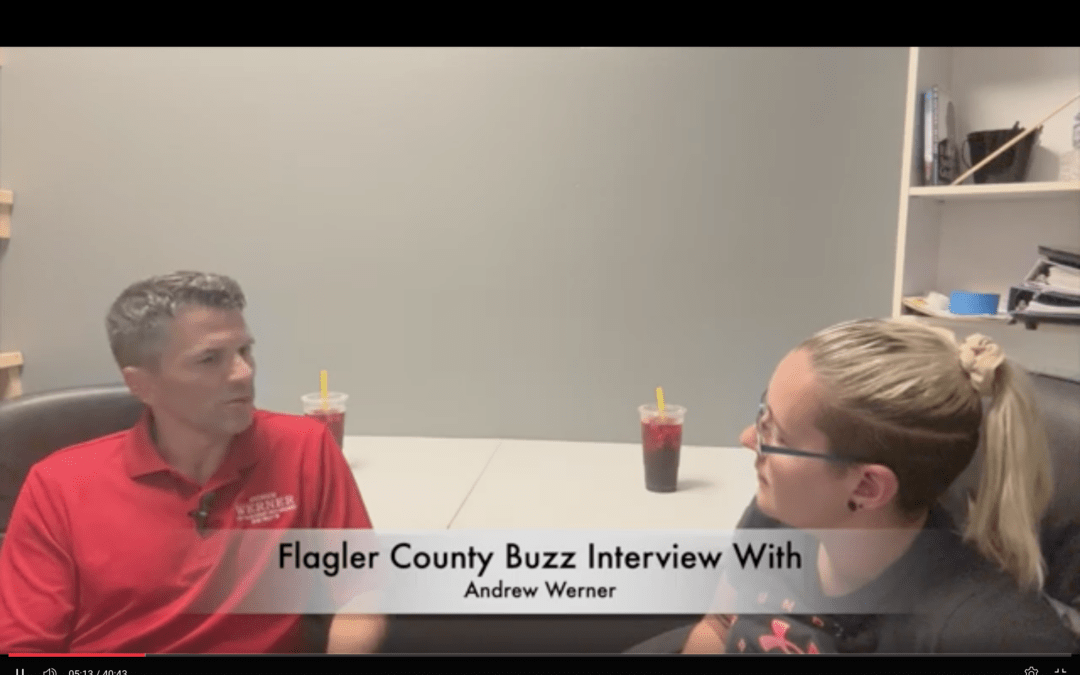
(862, 428)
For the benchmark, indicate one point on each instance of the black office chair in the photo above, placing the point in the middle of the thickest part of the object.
(33, 426)
(1058, 400)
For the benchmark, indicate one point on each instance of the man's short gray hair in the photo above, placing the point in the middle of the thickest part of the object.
(137, 323)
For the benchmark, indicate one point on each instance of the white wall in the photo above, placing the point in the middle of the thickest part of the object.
(474, 242)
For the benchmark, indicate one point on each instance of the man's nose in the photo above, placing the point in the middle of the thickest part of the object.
(242, 370)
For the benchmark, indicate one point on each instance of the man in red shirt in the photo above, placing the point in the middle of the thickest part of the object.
(115, 544)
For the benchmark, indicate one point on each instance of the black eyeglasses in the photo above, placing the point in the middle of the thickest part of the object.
(761, 447)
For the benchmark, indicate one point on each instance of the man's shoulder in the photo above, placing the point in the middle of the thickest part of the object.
(301, 438)
(275, 425)
(75, 459)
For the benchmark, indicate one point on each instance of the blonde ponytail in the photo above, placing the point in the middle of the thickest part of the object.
(910, 396)
(1015, 484)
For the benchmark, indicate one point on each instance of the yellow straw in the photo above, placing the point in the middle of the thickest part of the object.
(660, 400)
(325, 394)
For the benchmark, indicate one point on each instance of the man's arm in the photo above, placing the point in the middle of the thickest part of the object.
(37, 589)
(342, 507)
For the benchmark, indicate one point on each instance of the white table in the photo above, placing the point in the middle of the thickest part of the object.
(542, 484)
(416, 483)
(433, 483)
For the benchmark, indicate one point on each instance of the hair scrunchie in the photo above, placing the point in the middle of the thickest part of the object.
(980, 357)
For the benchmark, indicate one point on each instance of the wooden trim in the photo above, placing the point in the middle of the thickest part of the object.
(10, 380)
(905, 180)
(7, 200)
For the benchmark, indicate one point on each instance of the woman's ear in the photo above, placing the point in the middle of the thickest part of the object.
(876, 486)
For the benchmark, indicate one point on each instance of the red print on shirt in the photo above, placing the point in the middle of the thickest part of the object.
(778, 640)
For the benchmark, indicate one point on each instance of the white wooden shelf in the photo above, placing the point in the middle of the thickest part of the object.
(997, 191)
(919, 307)
(970, 322)
(10, 382)
(6, 201)
(984, 238)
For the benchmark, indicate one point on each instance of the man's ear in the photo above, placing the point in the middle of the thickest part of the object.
(138, 382)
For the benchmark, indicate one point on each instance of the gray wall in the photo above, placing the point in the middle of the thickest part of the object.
(515, 243)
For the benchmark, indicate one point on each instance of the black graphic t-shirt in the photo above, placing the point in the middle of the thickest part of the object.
(939, 597)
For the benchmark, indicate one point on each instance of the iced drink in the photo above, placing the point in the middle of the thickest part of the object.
(332, 414)
(661, 440)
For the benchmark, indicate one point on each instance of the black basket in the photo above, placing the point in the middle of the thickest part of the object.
(1010, 166)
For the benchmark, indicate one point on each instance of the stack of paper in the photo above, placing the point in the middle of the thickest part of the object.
(1051, 291)
(1036, 307)
(1062, 278)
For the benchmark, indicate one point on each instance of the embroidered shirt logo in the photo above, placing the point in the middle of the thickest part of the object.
(264, 508)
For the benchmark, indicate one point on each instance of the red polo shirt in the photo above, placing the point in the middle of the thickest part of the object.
(101, 554)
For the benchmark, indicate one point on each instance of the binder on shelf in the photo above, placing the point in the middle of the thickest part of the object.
(927, 110)
(946, 154)
(1051, 291)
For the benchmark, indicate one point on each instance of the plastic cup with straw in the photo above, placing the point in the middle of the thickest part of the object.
(328, 407)
(661, 439)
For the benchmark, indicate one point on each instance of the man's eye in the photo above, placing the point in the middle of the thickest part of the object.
(209, 359)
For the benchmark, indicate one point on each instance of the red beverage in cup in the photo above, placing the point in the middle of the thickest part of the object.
(335, 420)
(661, 442)
(330, 411)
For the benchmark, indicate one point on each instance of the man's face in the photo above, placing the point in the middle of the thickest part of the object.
(206, 379)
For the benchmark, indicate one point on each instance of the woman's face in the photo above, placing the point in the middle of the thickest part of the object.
(801, 492)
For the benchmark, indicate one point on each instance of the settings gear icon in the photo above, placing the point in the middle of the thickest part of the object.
(1031, 671)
